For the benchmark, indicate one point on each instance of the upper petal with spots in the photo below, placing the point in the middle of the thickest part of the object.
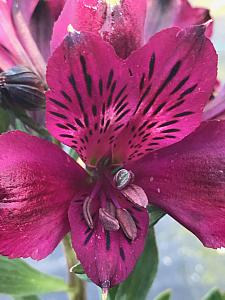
(176, 72)
(91, 96)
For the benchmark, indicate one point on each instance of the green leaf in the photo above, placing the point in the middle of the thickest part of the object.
(214, 294)
(17, 278)
(139, 282)
(4, 120)
(155, 214)
(166, 295)
(27, 298)
(79, 272)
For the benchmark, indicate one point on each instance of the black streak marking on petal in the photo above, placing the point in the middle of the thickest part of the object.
(79, 98)
(71, 126)
(142, 82)
(120, 93)
(94, 110)
(61, 116)
(67, 136)
(110, 78)
(168, 123)
(88, 238)
(171, 75)
(87, 77)
(122, 254)
(122, 115)
(61, 126)
(180, 85)
(100, 86)
(175, 105)
(79, 123)
(159, 108)
(56, 102)
(107, 240)
(185, 113)
(188, 91)
(151, 66)
(67, 97)
(170, 130)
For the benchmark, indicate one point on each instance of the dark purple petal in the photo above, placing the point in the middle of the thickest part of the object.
(187, 181)
(37, 183)
(163, 14)
(107, 256)
(174, 86)
(91, 97)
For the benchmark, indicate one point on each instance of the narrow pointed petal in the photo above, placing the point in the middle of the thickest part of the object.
(174, 86)
(164, 14)
(9, 39)
(87, 81)
(121, 23)
(37, 183)
(107, 256)
(83, 15)
(187, 180)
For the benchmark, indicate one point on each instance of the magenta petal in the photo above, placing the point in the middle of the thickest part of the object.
(122, 25)
(83, 15)
(90, 98)
(37, 183)
(187, 180)
(174, 86)
(107, 256)
(163, 14)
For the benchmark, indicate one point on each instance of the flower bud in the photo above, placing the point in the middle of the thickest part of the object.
(21, 87)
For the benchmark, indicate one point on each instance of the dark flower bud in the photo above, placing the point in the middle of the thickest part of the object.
(21, 87)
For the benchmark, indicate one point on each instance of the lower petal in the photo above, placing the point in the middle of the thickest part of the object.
(107, 256)
(37, 184)
(187, 180)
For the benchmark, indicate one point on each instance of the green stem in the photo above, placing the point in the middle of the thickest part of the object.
(77, 287)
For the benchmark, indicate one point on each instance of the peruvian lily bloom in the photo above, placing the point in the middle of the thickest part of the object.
(135, 122)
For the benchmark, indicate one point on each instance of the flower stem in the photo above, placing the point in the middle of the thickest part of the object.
(77, 287)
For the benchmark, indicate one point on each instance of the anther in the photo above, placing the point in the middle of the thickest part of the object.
(127, 223)
(108, 221)
(87, 213)
(123, 178)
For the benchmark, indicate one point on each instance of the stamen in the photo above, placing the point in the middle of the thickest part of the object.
(123, 178)
(87, 213)
(108, 221)
(127, 223)
(87, 205)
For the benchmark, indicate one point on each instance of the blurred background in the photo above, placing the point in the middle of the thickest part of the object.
(186, 267)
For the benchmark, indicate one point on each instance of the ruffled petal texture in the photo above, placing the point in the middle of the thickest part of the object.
(91, 95)
(164, 14)
(187, 180)
(174, 86)
(107, 256)
(37, 183)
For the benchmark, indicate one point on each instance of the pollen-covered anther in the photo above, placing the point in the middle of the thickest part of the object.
(136, 195)
(108, 221)
(87, 212)
(123, 178)
(127, 223)
(2, 81)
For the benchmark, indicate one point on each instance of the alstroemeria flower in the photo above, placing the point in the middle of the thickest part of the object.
(119, 115)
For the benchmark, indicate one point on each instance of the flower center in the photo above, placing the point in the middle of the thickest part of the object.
(112, 190)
